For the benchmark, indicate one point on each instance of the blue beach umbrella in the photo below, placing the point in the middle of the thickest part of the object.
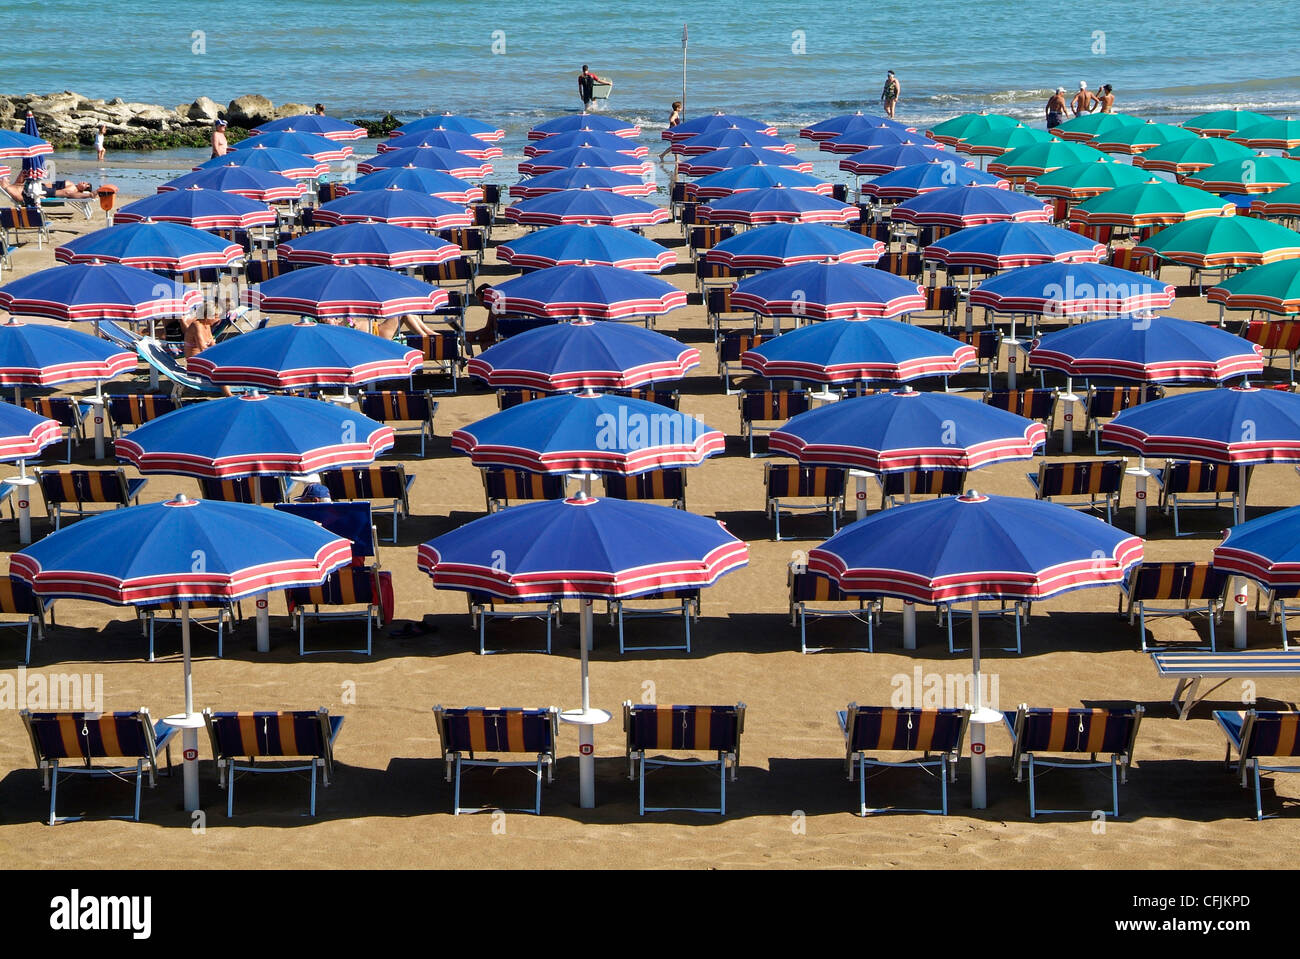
(456, 124)
(779, 204)
(198, 208)
(588, 432)
(719, 160)
(395, 207)
(585, 138)
(578, 122)
(907, 430)
(15, 145)
(372, 244)
(309, 145)
(999, 246)
(182, 551)
(1266, 549)
(730, 139)
(254, 435)
(428, 158)
(838, 126)
(582, 156)
(887, 159)
(41, 354)
(786, 244)
(937, 174)
(575, 244)
(597, 292)
(323, 126)
(583, 355)
(345, 290)
(710, 123)
(415, 179)
(756, 176)
(24, 434)
(470, 146)
(97, 291)
(1158, 349)
(246, 181)
(963, 206)
(304, 354)
(828, 291)
(871, 138)
(172, 247)
(295, 166)
(972, 548)
(33, 165)
(853, 351)
(594, 207)
(1072, 289)
(577, 178)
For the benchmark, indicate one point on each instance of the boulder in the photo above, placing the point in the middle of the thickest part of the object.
(203, 109)
(152, 117)
(250, 111)
(53, 104)
(7, 110)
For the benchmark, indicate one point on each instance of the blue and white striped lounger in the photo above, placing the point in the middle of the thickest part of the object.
(1190, 667)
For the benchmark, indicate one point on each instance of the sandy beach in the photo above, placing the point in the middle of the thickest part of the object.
(791, 806)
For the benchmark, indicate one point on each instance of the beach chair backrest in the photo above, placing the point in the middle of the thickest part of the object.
(1193, 476)
(139, 408)
(62, 409)
(240, 490)
(669, 398)
(706, 270)
(352, 521)
(508, 326)
(458, 270)
(83, 486)
(16, 597)
(255, 271)
(1032, 404)
(709, 728)
(496, 730)
(1270, 734)
(734, 343)
(271, 733)
(388, 406)
(914, 730)
(900, 264)
(1189, 581)
(21, 218)
(349, 586)
(438, 347)
(366, 482)
(1077, 730)
(718, 300)
(509, 398)
(1090, 477)
(925, 482)
(1129, 259)
(987, 343)
(655, 484)
(512, 484)
(706, 237)
(810, 587)
(762, 405)
(86, 736)
(787, 480)
(1274, 334)
(941, 298)
(868, 228)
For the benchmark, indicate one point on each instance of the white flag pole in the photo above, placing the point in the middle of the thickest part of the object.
(683, 110)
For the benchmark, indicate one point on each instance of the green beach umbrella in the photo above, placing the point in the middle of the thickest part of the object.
(1270, 134)
(1133, 138)
(1091, 125)
(1222, 123)
(1274, 288)
(1215, 241)
(1081, 180)
(992, 143)
(969, 124)
(1149, 204)
(1281, 202)
(1041, 157)
(1257, 174)
(1188, 156)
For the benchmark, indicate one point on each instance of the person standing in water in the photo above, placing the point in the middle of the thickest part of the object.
(219, 145)
(889, 95)
(99, 142)
(1107, 98)
(1056, 109)
(1084, 101)
(586, 81)
(674, 118)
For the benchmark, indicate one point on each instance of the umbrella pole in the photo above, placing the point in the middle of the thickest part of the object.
(190, 733)
(586, 733)
(97, 401)
(1068, 397)
(1240, 586)
(909, 607)
(262, 603)
(24, 483)
(978, 787)
(1140, 476)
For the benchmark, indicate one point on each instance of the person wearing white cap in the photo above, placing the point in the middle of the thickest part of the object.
(1084, 101)
(1056, 108)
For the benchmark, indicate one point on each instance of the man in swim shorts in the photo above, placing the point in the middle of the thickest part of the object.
(1056, 108)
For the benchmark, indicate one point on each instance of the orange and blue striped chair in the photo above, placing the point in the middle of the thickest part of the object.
(460, 271)
(672, 399)
(710, 729)
(1039, 404)
(349, 586)
(83, 737)
(65, 411)
(485, 606)
(709, 274)
(1181, 479)
(807, 588)
(1257, 735)
(870, 729)
(445, 350)
(988, 348)
(665, 484)
(906, 264)
(471, 240)
(1275, 336)
(136, 409)
(1072, 732)
(769, 406)
(15, 219)
(246, 489)
(1110, 401)
(510, 398)
(374, 483)
(682, 602)
(503, 485)
(1199, 583)
(18, 600)
(397, 406)
(1057, 482)
(74, 492)
(702, 238)
(465, 731)
(256, 271)
(730, 345)
(784, 482)
(276, 735)
(202, 613)
(717, 303)
(920, 483)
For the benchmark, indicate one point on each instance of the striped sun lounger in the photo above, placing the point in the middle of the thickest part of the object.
(1189, 668)
(1255, 735)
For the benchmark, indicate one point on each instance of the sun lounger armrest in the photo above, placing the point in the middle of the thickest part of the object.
(134, 487)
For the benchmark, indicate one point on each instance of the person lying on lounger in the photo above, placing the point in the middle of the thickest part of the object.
(80, 190)
(389, 327)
